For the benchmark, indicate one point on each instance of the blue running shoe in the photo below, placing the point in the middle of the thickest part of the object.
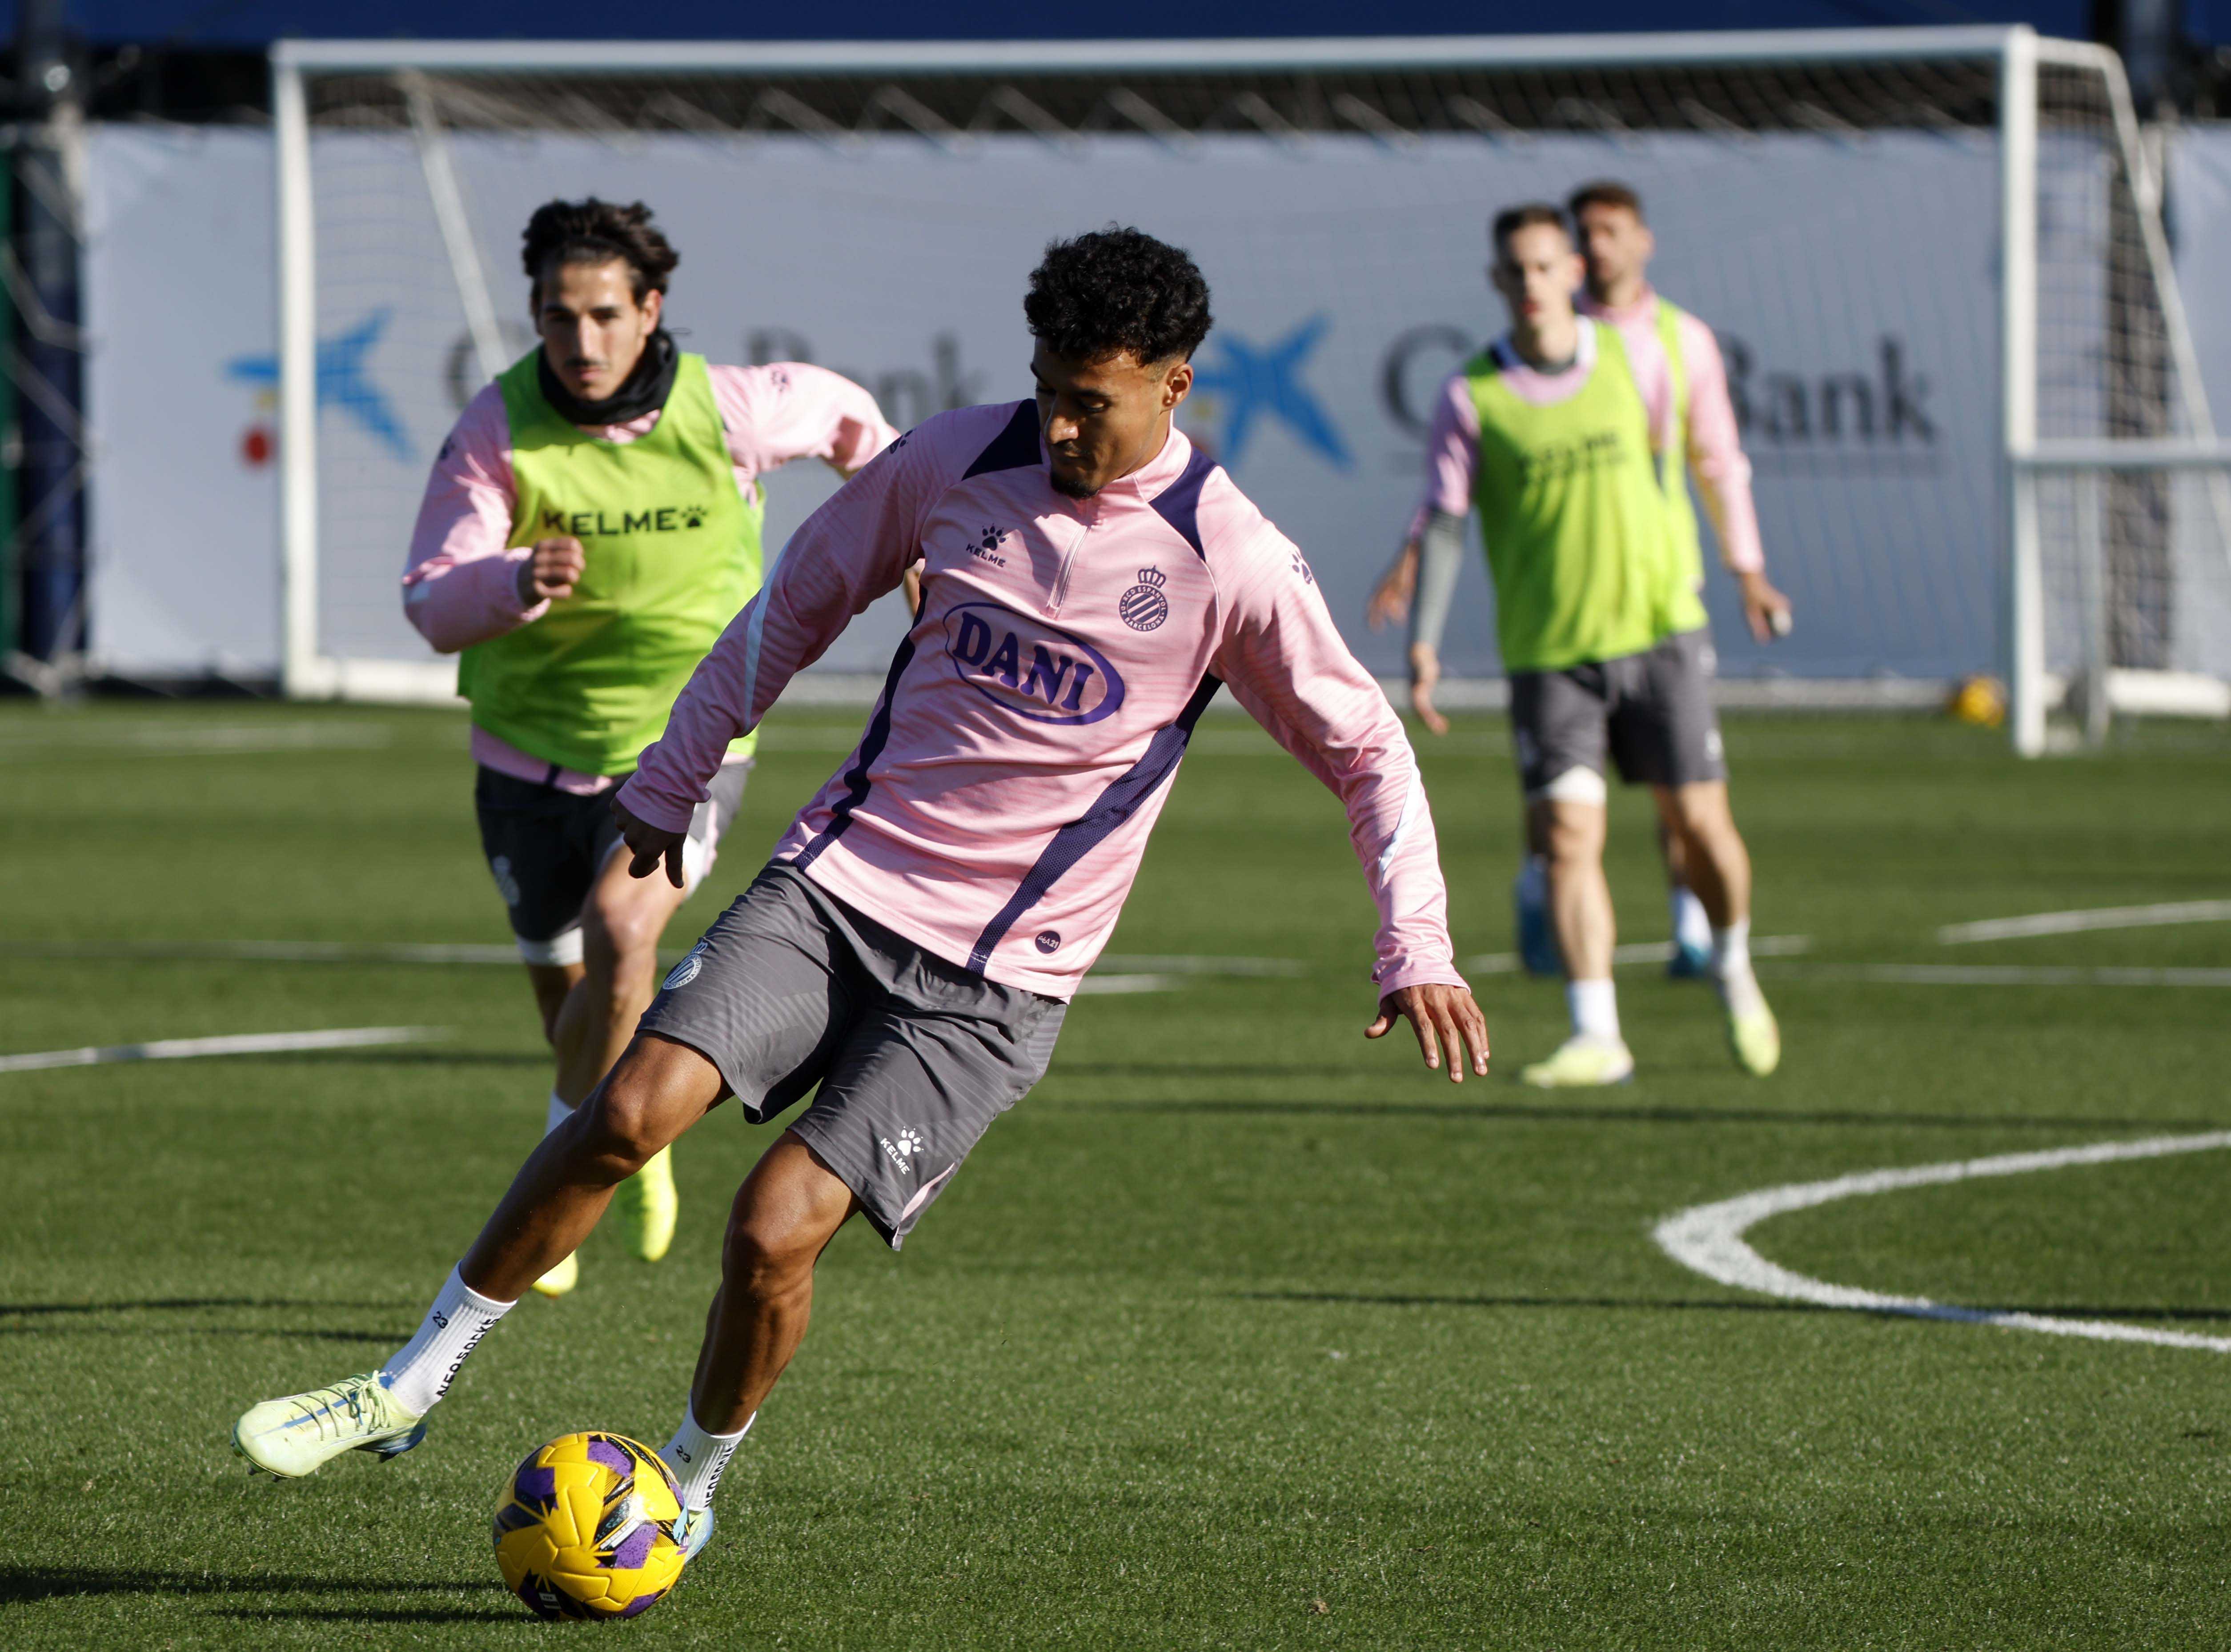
(1530, 905)
(1686, 962)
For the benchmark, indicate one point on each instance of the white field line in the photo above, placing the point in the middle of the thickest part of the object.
(1709, 1238)
(253, 951)
(171, 1050)
(1092, 984)
(2005, 975)
(213, 739)
(1640, 953)
(2071, 923)
(1186, 964)
(1138, 966)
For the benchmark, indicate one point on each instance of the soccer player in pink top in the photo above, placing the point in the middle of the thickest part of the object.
(591, 523)
(1698, 431)
(1089, 581)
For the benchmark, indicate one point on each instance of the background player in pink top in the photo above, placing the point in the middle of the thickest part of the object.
(588, 933)
(1090, 581)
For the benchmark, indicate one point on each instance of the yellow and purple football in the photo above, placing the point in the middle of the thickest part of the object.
(585, 1528)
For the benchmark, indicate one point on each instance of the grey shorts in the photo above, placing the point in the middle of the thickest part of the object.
(915, 1057)
(545, 847)
(1652, 712)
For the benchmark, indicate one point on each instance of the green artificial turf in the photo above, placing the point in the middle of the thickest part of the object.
(1240, 1332)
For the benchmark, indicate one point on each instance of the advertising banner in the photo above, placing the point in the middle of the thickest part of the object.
(1850, 282)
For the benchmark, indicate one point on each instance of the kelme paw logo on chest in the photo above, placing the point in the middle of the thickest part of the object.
(693, 516)
(985, 546)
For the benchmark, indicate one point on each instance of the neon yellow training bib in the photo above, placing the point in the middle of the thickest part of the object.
(1577, 535)
(673, 553)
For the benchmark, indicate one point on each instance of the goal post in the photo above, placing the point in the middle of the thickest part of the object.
(1933, 257)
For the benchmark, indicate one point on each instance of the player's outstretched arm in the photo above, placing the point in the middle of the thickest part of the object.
(1447, 1020)
(1284, 660)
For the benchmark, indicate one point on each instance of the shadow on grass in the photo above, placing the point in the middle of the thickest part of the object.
(1539, 1112)
(19, 1583)
(378, 1615)
(1364, 1299)
(67, 1319)
(172, 1304)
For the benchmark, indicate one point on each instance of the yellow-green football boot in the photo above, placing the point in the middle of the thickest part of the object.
(296, 1435)
(561, 1279)
(649, 1204)
(1755, 1036)
(1579, 1061)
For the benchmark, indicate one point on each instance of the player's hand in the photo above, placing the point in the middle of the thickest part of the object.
(1390, 599)
(1445, 1018)
(1767, 609)
(648, 845)
(1425, 674)
(549, 571)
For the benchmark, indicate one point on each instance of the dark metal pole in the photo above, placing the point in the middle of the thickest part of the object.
(48, 357)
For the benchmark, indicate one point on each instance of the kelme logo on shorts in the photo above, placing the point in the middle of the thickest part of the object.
(1030, 667)
(901, 1152)
(686, 971)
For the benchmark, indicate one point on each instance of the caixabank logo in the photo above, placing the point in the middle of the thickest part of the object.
(1030, 667)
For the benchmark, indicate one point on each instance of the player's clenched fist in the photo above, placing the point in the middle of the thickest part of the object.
(551, 570)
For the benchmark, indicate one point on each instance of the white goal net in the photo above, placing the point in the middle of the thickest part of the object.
(1924, 252)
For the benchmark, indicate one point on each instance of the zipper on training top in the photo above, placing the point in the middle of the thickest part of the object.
(1069, 561)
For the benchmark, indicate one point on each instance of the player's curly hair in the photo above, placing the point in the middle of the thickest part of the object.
(596, 232)
(1116, 291)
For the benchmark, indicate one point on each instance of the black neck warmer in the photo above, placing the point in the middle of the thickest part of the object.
(643, 390)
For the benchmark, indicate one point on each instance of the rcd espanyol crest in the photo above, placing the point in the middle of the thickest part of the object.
(1143, 607)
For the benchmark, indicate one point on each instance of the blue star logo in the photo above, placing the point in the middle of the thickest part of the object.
(1257, 381)
(341, 380)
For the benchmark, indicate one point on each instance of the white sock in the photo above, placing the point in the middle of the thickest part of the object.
(560, 1110)
(423, 1369)
(1692, 925)
(1595, 1007)
(698, 1458)
(1731, 967)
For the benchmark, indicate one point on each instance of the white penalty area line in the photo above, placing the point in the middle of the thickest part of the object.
(1709, 1239)
(254, 951)
(2071, 923)
(2004, 975)
(173, 1049)
(1640, 953)
(1115, 972)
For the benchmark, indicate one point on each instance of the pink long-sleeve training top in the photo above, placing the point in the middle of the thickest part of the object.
(461, 583)
(995, 809)
(1716, 457)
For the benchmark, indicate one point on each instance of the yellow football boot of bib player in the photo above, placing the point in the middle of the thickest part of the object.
(1582, 1061)
(649, 1205)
